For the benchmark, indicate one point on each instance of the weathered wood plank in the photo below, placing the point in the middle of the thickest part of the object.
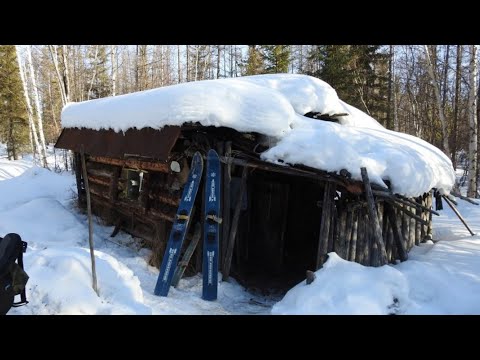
(372, 211)
(353, 239)
(429, 235)
(233, 231)
(182, 265)
(226, 212)
(325, 224)
(133, 163)
(165, 198)
(397, 236)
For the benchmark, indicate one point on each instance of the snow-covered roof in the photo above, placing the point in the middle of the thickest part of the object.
(274, 105)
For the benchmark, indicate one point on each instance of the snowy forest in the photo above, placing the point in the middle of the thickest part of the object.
(427, 91)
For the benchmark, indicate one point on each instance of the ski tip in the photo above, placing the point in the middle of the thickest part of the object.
(212, 153)
(197, 159)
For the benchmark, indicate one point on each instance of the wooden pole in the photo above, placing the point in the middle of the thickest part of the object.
(429, 235)
(353, 239)
(458, 214)
(182, 265)
(400, 245)
(90, 223)
(233, 231)
(78, 175)
(377, 230)
(226, 200)
(325, 225)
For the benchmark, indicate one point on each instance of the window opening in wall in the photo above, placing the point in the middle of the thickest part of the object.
(134, 183)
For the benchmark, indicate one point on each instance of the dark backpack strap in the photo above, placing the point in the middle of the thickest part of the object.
(23, 295)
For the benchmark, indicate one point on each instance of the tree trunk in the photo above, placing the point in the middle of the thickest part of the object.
(219, 54)
(94, 72)
(441, 114)
(472, 117)
(445, 77)
(458, 84)
(179, 67)
(197, 54)
(52, 108)
(66, 77)
(54, 55)
(113, 57)
(38, 108)
(390, 90)
(188, 62)
(27, 102)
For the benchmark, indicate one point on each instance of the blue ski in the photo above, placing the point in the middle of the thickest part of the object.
(211, 226)
(179, 227)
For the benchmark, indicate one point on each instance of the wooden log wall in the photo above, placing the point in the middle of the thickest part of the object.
(344, 224)
(355, 237)
(153, 210)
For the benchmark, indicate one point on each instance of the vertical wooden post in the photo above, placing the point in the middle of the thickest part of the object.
(423, 228)
(399, 242)
(377, 230)
(362, 217)
(234, 226)
(429, 235)
(418, 225)
(353, 239)
(334, 220)
(325, 224)
(405, 224)
(78, 176)
(412, 228)
(367, 233)
(348, 232)
(90, 223)
(226, 203)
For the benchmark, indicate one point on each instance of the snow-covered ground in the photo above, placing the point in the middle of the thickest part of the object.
(440, 278)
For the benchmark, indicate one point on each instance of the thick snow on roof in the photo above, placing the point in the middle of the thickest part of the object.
(274, 105)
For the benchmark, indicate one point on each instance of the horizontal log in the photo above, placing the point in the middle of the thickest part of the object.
(152, 216)
(161, 215)
(408, 212)
(100, 180)
(460, 196)
(170, 200)
(132, 163)
(99, 192)
(403, 200)
(351, 186)
(99, 172)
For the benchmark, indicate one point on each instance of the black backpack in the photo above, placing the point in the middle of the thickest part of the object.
(13, 278)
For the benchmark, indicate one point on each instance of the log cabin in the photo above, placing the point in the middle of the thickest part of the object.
(282, 211)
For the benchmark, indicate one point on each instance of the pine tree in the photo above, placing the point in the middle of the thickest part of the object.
(254, 64)
(99, 83)
(331, 64)
(357, 72)
(276, 58)
(13, 120)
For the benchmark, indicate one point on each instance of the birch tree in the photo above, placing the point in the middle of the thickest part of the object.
(472, 117)
(31, 123)
(38, 109)
(440, 109)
